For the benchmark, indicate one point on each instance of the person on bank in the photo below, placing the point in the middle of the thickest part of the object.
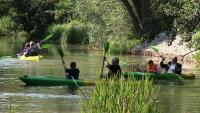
(152, 67)
(114, 68)
(73, 72)
(172, 66)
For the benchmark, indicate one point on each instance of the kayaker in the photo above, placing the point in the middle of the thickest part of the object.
(114, 68)
(72, 72)
(25, 50)
(33, 50)
(172, 66)
(152, 68)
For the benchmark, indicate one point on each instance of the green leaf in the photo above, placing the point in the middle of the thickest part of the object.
(154, 48)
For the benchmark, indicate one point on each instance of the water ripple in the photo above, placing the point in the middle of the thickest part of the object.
(36, 95)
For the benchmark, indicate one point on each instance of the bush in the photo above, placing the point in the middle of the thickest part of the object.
(131, 96)
(74, 32)
(122, 45)
(7, 26)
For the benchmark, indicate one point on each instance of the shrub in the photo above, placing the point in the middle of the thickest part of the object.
(74, 32)
(131, 96)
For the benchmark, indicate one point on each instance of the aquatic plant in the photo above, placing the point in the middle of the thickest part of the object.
(122, 96)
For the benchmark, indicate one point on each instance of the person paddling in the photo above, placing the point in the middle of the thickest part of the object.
(72, 72)
(152, 68)
(172, 66)
(33, 50)
(25, 50)
(114, 68)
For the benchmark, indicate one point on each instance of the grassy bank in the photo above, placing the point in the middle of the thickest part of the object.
(131, 96)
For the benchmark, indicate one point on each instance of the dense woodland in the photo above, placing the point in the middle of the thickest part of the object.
(124, 23)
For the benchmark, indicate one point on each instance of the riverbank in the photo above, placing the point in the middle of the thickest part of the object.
(177, 48)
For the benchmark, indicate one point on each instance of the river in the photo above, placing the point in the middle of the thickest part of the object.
(18, 98)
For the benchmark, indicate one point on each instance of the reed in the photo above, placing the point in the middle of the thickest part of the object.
(122, 96)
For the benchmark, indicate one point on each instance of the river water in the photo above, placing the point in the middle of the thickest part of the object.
(18, 98)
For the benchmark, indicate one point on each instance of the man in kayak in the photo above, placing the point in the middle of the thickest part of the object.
(114, 68)
(72, 72)
(172, 66)
(152, 68)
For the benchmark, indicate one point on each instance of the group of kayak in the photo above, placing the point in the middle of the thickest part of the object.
(172, 69)
(114, 68)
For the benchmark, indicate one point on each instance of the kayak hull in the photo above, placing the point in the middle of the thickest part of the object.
(31, 58)
(53, 81)
(158, 76)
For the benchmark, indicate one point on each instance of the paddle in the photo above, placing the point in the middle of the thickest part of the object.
(106, 47)
(61, 53)
(46, 46)
(47, 38)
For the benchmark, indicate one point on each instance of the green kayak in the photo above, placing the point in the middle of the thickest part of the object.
(158, 76)
(53, 81)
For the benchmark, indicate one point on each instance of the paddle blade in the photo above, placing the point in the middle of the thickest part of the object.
(154, 48)
(60, 52)
(46, 46)
(48, 37)
(106, 46)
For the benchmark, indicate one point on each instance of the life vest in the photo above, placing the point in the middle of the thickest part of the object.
(152, 68)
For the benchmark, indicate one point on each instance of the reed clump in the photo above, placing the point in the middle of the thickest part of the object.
(122, 96)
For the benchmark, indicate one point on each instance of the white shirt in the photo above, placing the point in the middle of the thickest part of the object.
(171, 67)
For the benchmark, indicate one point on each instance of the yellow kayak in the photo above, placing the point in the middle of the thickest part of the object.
(31, 58)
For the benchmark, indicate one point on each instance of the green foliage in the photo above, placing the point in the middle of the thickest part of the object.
(131, 96)
(64, 11)
(106, 20)
(73, 32)
(7, 26)
(122, 45)
(197, 56)
(196, 39)
(180, 15)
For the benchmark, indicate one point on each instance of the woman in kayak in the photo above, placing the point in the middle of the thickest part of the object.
(172, 66)
(114, 68)
(152, 68)
(72, 72)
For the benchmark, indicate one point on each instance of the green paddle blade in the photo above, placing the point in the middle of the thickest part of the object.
(46, 46)
(154, 48)
(60, 52)
(48, 37)
(106, 46)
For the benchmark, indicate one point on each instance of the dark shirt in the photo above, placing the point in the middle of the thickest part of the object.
(72, 72)
(178, 67)
(34, 51)
(114, 71)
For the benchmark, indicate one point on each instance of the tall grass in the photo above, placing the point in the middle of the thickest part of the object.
(122, 45)
(73, 32)
(130, 96)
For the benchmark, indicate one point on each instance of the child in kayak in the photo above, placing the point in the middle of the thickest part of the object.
(114, 68)
(152, 68)
(72, 72)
